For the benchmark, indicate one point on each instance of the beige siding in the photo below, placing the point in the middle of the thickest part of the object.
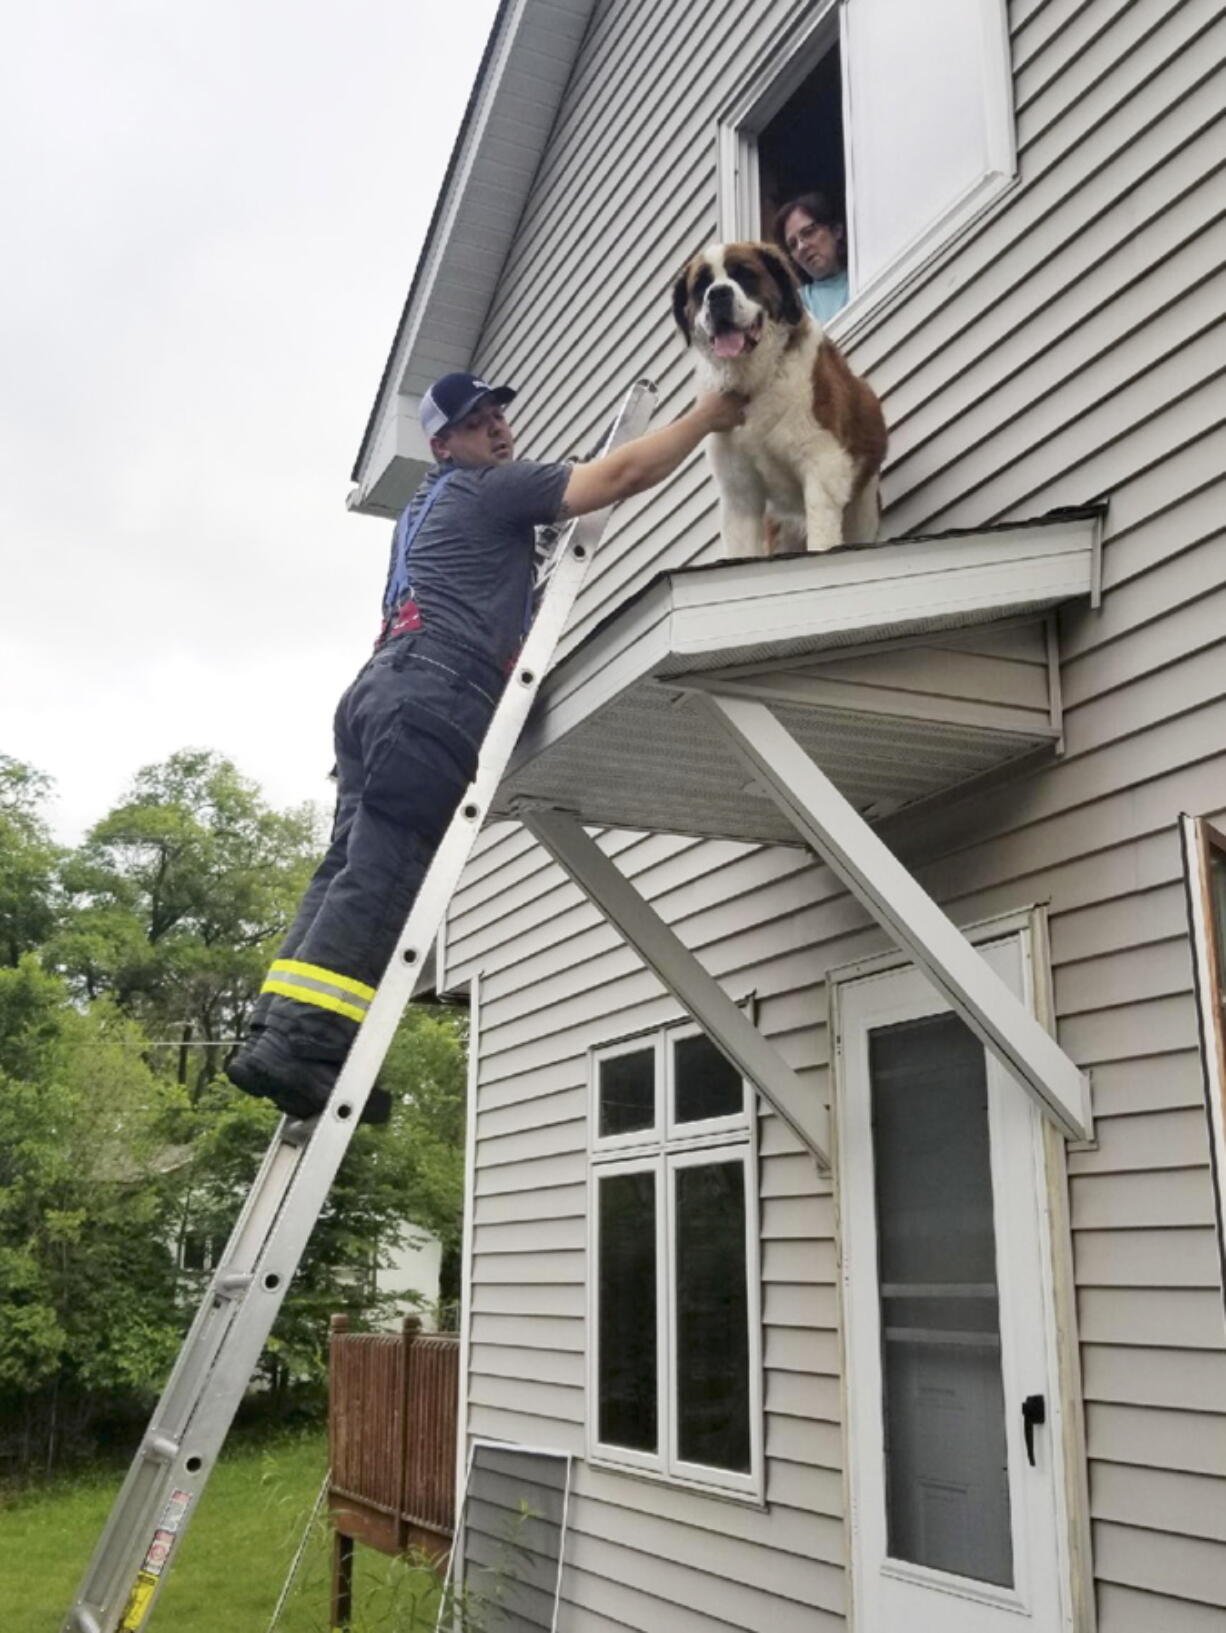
(1072, 348)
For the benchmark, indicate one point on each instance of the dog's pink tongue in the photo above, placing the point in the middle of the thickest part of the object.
(730, 343)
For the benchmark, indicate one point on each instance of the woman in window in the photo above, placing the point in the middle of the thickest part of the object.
(816, 240)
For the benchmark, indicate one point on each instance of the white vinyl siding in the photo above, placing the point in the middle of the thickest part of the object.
(1071, 346)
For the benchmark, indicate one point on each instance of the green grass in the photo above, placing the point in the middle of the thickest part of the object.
(228, 1574)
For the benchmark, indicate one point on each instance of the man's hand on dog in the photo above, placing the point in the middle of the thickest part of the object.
(722, 410)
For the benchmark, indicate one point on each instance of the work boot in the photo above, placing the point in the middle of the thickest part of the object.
(299, 1087)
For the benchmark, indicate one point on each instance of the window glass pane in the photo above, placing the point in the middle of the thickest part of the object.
(627, 1310)
(947, 1491)
(628, 1093)
(704, 1083)
(712, 1316)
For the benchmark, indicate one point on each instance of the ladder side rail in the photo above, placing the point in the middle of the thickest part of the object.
(143, 1493)
(237, 1313)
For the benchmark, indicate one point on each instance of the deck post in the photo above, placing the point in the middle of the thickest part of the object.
(410, 1328)
(341, 1614)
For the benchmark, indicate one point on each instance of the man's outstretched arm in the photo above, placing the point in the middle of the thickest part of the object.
(640, 464)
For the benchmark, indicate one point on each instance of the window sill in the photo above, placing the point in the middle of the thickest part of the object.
(728, 1494)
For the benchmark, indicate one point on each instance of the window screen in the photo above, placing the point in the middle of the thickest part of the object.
(514, 1543)
(628, 1297)
(947, 1492)
(705, 1084)
(712, 1315)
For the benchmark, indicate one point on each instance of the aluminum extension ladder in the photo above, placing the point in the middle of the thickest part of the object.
(189, 1426)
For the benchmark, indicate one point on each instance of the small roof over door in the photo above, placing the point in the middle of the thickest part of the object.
(904, 670)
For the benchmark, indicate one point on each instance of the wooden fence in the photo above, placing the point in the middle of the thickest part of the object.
(392, 1435)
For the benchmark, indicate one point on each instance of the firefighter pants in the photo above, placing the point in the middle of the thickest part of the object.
(408, 733)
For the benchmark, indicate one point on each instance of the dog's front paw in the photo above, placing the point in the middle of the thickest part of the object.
(742, 535)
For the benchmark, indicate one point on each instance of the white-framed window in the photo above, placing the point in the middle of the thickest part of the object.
(900, 116)
(1204, 850)
(674, 1383)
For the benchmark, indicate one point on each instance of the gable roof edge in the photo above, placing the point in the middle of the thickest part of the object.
(521, 80)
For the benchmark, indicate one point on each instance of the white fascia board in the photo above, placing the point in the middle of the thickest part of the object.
(399, 459)
(897, 901)
(512, 111)
(888, 586)
(886, 589)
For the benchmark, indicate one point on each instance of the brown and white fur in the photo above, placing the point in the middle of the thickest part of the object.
(814, 437)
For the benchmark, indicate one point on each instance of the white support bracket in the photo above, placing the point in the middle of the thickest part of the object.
(699, 993)
(875, 876)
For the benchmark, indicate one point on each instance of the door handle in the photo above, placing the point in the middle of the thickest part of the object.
(1034, 1410)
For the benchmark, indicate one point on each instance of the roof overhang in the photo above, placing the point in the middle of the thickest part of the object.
(523, 76)
(620, 737)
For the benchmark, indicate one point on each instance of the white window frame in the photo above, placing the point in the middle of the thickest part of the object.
(662, 1152)
(786, 62)
(701, 1474)
(637, 1137)
(708, 1128)
(1201, 838)
(627, 1456)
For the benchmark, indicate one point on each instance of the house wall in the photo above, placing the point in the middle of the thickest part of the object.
(1072, 348)
(412, 1278)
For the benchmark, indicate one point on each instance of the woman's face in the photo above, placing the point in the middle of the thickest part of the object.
(812, 245)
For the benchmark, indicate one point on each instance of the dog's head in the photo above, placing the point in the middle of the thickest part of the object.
(727, 294)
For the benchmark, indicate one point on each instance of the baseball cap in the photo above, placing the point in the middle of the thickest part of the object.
(455, 395)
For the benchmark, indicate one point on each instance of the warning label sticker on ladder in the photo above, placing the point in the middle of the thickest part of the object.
(139, 1602)
(154, 1562)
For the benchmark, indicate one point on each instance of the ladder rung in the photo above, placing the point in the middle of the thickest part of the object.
(230, 1284)
(297, 1130)
(161, 1448)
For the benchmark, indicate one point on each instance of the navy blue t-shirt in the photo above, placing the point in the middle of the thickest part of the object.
(470, 567)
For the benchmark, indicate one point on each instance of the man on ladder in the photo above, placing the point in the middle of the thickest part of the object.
(409, 729)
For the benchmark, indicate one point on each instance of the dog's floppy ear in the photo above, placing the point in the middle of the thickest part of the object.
(777, 264)
(681, 299)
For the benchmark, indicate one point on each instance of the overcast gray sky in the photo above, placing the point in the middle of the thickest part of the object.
(211, 214)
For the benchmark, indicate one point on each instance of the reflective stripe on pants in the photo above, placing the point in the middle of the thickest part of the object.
(326, 989)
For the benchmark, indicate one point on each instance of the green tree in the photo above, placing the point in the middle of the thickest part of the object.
(426, 1073)
(28, 860)
(394, 1182)
(177, 899)
(88, 1309)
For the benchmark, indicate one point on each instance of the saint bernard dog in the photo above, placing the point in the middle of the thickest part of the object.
(801, 473)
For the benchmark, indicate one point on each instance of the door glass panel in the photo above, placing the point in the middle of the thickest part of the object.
(627, 1292)
(628, 1093)
(705, 1083)
(947, 1488)
(712, 1316)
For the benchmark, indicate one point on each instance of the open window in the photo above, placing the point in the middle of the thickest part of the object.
(900, 116)
(800, 149)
